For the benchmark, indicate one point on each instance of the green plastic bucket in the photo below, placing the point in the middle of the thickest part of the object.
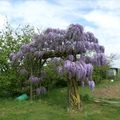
(22, 97)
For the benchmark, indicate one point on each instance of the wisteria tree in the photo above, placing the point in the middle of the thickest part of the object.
(78, 49)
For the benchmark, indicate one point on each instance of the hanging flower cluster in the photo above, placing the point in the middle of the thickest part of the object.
(79, 70)
(41, 90)
(34, 79)
(99, 59)
(91, 84)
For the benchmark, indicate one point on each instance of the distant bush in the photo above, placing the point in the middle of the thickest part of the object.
(10, 41)
(100, 73)
(10, 84)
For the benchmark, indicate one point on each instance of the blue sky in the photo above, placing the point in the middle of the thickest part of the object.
(102, 17)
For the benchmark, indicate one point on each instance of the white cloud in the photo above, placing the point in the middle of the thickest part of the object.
(2, 21)
(101, 19)
(103, 14)
(107, 29)
(37, 13)
(108, 4)
(40, 13)
(5, 6)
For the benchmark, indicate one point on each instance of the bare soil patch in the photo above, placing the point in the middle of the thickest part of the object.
(110, 91)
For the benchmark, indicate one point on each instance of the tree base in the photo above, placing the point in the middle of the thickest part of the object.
(74, 103)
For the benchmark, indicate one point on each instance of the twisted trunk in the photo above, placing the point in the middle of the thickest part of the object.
(73, 95)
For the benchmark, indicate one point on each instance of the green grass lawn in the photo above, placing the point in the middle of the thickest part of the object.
(53, 106)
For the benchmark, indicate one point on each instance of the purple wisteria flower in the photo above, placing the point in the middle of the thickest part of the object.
(19, 55)
(25, 48)
(57, 31)
(81, 70)
(90, 37)
(102, 49)
(88, 59)
(74, 32)
(69, 65)
(99, 59)
(71, 58)
(97, 47)
(89, 70)
(34, 79)
(39, 54)
(80, 47)
(41, 90)
(91, 84)
(103, 60)
(12, 56)
(70, 68)
(32, 49)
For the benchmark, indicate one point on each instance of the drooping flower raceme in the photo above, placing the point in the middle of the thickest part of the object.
(71, 58)
(79, 70)
(91, 84)
(41, 90)
(70, 67)
(99, 59)
(34, 79)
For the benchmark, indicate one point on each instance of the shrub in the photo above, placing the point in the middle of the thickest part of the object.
(10, 84)
(10, 41)
(100, 73)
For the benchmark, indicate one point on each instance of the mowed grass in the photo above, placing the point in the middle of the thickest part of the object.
(53, 106)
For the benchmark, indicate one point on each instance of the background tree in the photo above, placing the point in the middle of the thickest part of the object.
(100, 73)
(78, 49)
(10, 41)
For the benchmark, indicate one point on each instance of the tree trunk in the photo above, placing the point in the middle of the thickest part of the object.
(73, 95)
